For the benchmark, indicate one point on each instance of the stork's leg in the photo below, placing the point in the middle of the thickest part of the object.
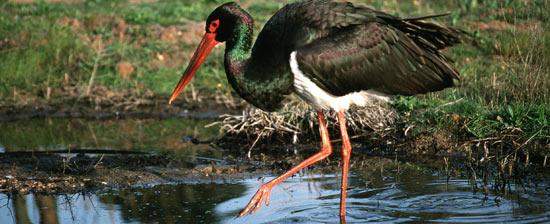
(346, 154)
(265, 190)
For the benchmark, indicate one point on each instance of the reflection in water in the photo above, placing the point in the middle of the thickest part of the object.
(23, 208)
(410, 196)
(131, 134)
(172, 204)
(161, 204)
(47, 207)
(20, 207)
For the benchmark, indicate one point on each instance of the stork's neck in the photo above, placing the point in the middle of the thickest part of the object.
(238, 46)
(238, 52)
(261, 81)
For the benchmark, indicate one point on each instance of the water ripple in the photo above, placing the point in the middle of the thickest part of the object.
(316, 200)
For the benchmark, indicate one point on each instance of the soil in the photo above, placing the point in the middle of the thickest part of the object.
(62, 172)
(92, 170)
(107, 104)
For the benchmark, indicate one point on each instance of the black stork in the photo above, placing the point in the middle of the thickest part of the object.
(331, 54)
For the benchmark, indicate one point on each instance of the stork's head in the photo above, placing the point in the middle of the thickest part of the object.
(220, 26)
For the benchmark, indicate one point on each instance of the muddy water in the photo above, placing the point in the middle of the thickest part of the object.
(137, 135)
(410, 196)
(378, 192)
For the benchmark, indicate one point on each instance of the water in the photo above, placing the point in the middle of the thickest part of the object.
(377, 193)
(304, 199)
(138, 135)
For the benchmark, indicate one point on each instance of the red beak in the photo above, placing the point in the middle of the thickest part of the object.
(205, 47)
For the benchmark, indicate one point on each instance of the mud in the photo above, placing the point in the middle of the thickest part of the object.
(90, 170)
(117, 108)
(99, 170)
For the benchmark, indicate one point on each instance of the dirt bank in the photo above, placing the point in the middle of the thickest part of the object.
(107, 104)
(62, 172)
(92, 170)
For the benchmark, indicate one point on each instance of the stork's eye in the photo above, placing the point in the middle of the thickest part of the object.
(214, 25)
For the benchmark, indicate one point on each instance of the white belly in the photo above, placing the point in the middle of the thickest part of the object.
(320, 99)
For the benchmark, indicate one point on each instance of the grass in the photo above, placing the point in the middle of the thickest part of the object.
(505, 70)
(505, 63)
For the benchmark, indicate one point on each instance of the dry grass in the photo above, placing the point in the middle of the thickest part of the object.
(297, 119)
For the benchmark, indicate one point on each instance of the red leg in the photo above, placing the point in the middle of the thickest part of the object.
(346, 154)
(265, 190)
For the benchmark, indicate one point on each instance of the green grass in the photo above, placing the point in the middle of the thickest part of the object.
(505, 71)
(45, 52)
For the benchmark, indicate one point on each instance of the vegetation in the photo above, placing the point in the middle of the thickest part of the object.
(47, 50)
(46, 47)
(505, 66)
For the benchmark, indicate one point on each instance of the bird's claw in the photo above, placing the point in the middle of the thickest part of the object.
(263, 194)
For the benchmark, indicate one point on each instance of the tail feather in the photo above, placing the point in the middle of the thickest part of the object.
(429, 34)
(427, 17)
(440, 36)
(431, 37)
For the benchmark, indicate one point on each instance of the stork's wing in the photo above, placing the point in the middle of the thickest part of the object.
(327, 14)
(323, 17)
(375, 56)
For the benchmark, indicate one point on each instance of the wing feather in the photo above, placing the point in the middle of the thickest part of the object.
(344, 48)
(374, 56)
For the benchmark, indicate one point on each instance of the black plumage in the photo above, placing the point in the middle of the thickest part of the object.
(346, 48)
(363, 49)
(341, 47)
(373, 56)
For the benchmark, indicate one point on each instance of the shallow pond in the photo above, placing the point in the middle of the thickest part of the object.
(148, 135)
(410, 196)
(377, 194)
